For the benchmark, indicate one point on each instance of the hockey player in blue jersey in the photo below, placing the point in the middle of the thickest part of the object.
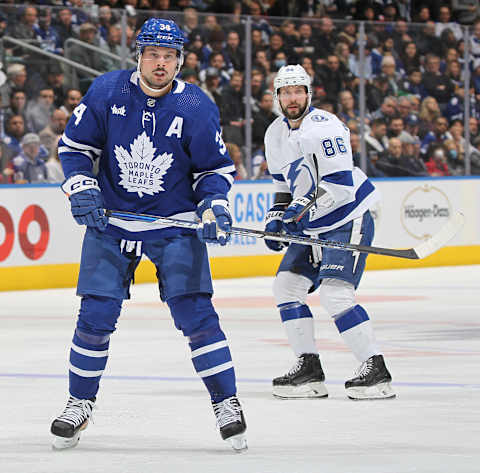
(159, 149)
(310, 158)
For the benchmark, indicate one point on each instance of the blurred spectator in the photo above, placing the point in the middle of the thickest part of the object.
(105, 20)
(191, 61)
(261, 62)
(259, 165)
(50, 135)
(54, 166)
(290, 34)
(444, 22)
(412, 125)
(466, 11)
(371, 170)
(56, 81)
(400, 35)
(16, 79)
(217, 61)
(429, 112)
(84, 56)
(409, 57)
(72, 99)
(280, 59)
(189, 75)
(318, 90)
(354, 62)
(347, 110)
(404, 107)
(257, 85)
(255, 9)
(390, 162)
(38, 112)
(423, 14)
(376, 92)
(112, 45)
(388, 69)
(376, 140)
(396, 129)
(25, 28)
(46, 34)
(237, 158)
(28, 166)
(262, 118)
(475, 40)
(232, 110)
(326, 37)
(387, 110)
(427, 42)
(437, 161)
(64, 26)
(411, 159)
(348, 34)
(413, 84)
(454, 158)
(437, 135)
(305, 44)
(211, 85)
(448, 40)
(190, 24)
(6, 166)
(196, 46)
(234, 52)
(333, 77)
(457, 163)
(14, 129)
(275, 46)
(18, 102)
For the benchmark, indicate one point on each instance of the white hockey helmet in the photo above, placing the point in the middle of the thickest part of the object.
(293, 75)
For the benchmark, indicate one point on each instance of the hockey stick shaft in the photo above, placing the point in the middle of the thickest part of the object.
(426, 248)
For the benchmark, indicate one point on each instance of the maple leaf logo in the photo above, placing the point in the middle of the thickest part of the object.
(140, 170)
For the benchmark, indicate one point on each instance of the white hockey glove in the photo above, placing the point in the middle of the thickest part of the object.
(215, 220)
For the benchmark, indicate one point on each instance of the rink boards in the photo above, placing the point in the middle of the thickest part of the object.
(40, 243)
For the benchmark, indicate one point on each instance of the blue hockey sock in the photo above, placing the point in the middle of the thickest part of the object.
(213, 362)
(88, 358)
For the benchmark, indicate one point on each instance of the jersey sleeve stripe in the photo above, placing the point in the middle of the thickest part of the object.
(225, 172)
(80, 146)
(343, 178)
(278, 177)
(66, 149)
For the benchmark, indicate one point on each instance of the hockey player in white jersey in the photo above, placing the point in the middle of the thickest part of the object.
(158, 144)
(310, 158)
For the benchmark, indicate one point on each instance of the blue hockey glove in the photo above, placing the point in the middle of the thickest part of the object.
(273, 223)
(86, 200)
(290, 217)
(215, 220)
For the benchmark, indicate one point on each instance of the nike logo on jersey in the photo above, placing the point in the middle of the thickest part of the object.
(141, 171)
(116, 110)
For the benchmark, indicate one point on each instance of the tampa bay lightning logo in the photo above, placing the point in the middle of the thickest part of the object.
(294, 172)
(319, 118)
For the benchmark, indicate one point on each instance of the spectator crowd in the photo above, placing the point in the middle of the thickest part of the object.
(414, 69)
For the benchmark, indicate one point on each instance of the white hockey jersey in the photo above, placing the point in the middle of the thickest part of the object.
(318, 153)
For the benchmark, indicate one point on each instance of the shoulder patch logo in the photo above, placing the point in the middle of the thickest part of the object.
(141, 171)
(319, 118)
(116, 110)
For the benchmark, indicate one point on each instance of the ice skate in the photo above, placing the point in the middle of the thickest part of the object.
(231, 422)
(372, 381)
(304, 381)
(68, 426)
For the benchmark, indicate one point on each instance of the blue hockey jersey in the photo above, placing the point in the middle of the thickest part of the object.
(156, 155)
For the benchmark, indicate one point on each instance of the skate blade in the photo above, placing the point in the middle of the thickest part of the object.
(314, 390)
(379, 391)
(62, 443)
(238, 443)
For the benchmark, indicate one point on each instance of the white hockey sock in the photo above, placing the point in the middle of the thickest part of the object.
(356, 330)
(301, 335)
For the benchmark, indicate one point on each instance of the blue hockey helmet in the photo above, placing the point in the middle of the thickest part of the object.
(159, 32)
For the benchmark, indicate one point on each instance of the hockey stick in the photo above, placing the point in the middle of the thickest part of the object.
(424, 249)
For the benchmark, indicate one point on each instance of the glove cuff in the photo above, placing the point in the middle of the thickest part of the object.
(78, 183)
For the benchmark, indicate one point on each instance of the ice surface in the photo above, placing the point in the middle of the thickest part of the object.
(154, 415)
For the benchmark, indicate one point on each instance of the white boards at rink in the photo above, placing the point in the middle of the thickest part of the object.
(40, 243)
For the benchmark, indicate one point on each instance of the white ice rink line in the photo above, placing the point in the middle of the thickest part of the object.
(154, 415)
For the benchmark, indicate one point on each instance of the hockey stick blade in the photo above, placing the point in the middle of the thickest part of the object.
(423, 250)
